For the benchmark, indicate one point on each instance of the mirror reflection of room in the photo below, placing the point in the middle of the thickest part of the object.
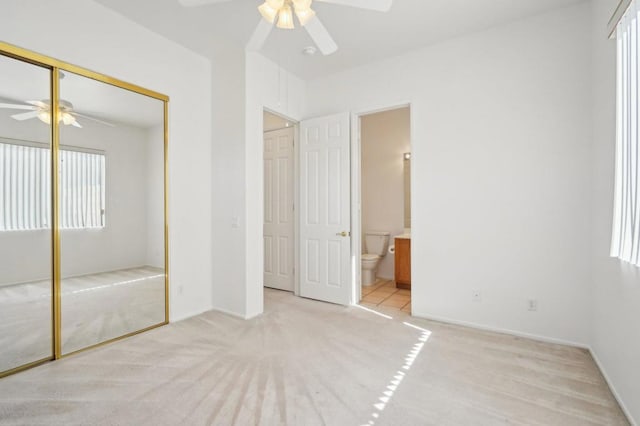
(111, 212)
(25, 216)
(386, 209)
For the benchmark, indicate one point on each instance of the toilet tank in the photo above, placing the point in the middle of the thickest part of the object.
(376, 242)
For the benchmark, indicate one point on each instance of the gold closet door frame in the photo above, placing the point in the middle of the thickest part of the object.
(55, 66)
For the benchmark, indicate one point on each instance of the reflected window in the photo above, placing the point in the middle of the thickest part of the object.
(25, 182)
(82, 189)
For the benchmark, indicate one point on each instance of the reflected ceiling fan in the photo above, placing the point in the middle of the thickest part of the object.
(42, 111)
(280, 13)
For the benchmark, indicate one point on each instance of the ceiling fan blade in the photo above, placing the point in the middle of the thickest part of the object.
(378, 5)
(259, 36)
(17, 106)
(88, 117)
(38, 104)
(193, 3)
(321, 36)
(25, 115)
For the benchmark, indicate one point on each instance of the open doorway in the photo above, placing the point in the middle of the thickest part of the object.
(385, 208)
(279, 202)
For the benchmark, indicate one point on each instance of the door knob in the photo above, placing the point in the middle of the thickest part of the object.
(344, 234)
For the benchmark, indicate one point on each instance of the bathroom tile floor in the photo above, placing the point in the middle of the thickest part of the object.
(385, 294)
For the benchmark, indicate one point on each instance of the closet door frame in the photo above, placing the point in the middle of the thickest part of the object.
(55, 66)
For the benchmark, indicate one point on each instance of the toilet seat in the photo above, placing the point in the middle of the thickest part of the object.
(369, 257)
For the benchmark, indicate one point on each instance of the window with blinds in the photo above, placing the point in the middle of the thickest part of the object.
(626, 219)
(25, 188)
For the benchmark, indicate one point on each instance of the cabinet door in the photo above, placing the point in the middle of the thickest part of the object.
(403, 263)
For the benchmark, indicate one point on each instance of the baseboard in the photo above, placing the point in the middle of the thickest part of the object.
(235, 314)
(545, 339)
(477, 326)
(615, 393)
(189, 315)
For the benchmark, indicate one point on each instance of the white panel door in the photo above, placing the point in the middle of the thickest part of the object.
(279, 223)
(325, 209)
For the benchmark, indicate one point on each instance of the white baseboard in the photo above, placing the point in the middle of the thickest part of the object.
(502, 330)
(615, 393)
(545, 339)
(188, 315)
(221, 310)
(235, 314)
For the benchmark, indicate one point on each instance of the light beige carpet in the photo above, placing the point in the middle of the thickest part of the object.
(95, 308)
(311, 363)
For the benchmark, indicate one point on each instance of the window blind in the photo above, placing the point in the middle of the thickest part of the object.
(25, 188)
(626, 221)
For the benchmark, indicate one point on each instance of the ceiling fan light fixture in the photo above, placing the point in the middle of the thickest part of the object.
(302, 4)
(275, 4)
(285, 18)
(268, 12)
(305, 15)
(45, 117)
(67, 118)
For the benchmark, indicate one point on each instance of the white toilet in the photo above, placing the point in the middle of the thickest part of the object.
(376, 245)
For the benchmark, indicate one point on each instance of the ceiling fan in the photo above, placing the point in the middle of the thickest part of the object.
(42, 111)
(280, 13)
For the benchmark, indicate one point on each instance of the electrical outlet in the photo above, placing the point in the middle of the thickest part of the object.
(532, 305)
(180, 289)
(477, 296)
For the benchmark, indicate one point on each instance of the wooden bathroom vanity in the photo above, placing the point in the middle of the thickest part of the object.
(403, 262)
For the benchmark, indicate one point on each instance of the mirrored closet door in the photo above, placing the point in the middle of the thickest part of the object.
(83, 227)
(111, 212)
(26, 328)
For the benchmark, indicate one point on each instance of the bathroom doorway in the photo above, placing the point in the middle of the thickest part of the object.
(385, 208)
(279, 226)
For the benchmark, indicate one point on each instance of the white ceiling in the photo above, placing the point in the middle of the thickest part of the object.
(362, 36)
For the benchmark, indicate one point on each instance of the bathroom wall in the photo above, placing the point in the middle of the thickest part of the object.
(385, 137)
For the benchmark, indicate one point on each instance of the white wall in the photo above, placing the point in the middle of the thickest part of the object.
(97, 38)
(228, 188)
(501, 170)
(385, 137)
(283, 93)
(616, 302)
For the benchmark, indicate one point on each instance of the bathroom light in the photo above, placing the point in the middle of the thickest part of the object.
(407, 156)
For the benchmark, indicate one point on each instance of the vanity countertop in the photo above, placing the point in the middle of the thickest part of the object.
(404, 236)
